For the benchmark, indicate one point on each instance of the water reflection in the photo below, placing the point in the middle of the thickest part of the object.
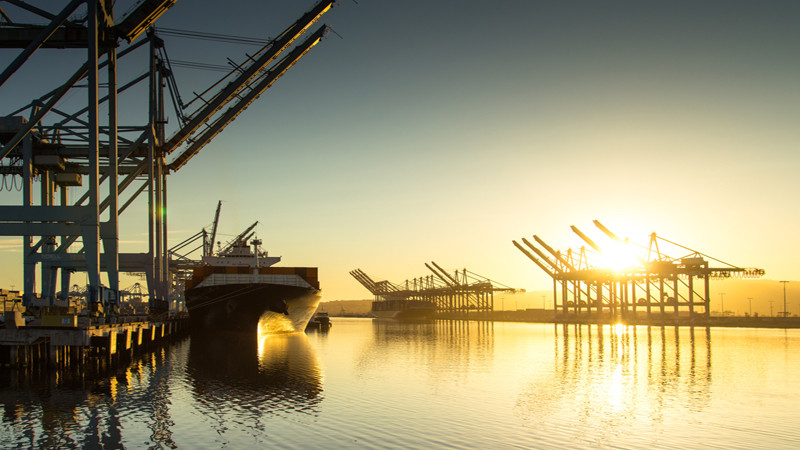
(426, 385)
(602, 375)
(228, 379)
(254, 376)
(85, 406)
(452, 346)
(449, 331)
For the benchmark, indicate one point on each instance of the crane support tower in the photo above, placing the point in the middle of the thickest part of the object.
(87, 167)
(644, 285)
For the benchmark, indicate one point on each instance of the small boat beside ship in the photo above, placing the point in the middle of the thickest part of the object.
(320, 321)
(239, 289)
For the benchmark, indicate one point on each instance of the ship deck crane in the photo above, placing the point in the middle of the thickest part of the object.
(208, 245)
(240, 240)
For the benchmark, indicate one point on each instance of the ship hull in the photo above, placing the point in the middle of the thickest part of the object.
(404, 315)
(403, 309)
(264, 307)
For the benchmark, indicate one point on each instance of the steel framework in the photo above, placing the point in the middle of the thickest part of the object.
(653, 286)
(460, 292)
(61, 151)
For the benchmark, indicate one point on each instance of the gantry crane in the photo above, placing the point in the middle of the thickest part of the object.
(76, 152)
(655, 286)
(460, 293)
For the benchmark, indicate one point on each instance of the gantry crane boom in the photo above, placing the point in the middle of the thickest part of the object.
(605, 230)
(365, 280)
(455, 282)
(441, 277)
(615, 238)
(142, 18)
(367, 277)
(554, 267)
(232, 90)
(586, 239)
(554, 253)
(220, 123)
(533, 258)
(375, 287)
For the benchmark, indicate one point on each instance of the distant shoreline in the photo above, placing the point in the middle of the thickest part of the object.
(547, 316)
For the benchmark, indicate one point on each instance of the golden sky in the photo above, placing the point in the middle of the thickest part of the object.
(443, 130)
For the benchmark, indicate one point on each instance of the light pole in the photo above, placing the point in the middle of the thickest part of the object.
(785, 312)
(722, 302)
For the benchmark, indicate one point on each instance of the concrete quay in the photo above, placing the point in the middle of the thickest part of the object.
(61, 347)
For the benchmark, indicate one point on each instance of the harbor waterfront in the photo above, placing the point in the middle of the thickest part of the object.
(371, 383)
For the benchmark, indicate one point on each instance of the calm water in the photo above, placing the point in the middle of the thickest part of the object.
(377, 384)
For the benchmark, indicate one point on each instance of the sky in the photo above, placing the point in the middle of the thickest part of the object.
(441, 131)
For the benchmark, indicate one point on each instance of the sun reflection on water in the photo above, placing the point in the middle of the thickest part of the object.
(615, 389)
(606, 377)
(274, 323)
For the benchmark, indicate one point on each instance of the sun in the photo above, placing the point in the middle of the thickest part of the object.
(618, 258)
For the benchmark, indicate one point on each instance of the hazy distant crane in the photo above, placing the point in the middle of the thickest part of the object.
(785, 311)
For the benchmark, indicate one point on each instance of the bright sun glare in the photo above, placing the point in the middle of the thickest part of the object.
(617, 258)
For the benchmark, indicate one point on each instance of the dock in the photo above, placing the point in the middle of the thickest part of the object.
(62, 346)
(78, 165)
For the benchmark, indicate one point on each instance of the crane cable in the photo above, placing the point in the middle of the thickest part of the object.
(228, 38)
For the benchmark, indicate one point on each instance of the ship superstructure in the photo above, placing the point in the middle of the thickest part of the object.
(238, 288)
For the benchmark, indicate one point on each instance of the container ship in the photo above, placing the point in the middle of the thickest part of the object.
(403, 309)
(237, 289)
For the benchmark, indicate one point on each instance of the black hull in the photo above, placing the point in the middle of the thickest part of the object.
(403, 309)
(241, 307)
(405, 314)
